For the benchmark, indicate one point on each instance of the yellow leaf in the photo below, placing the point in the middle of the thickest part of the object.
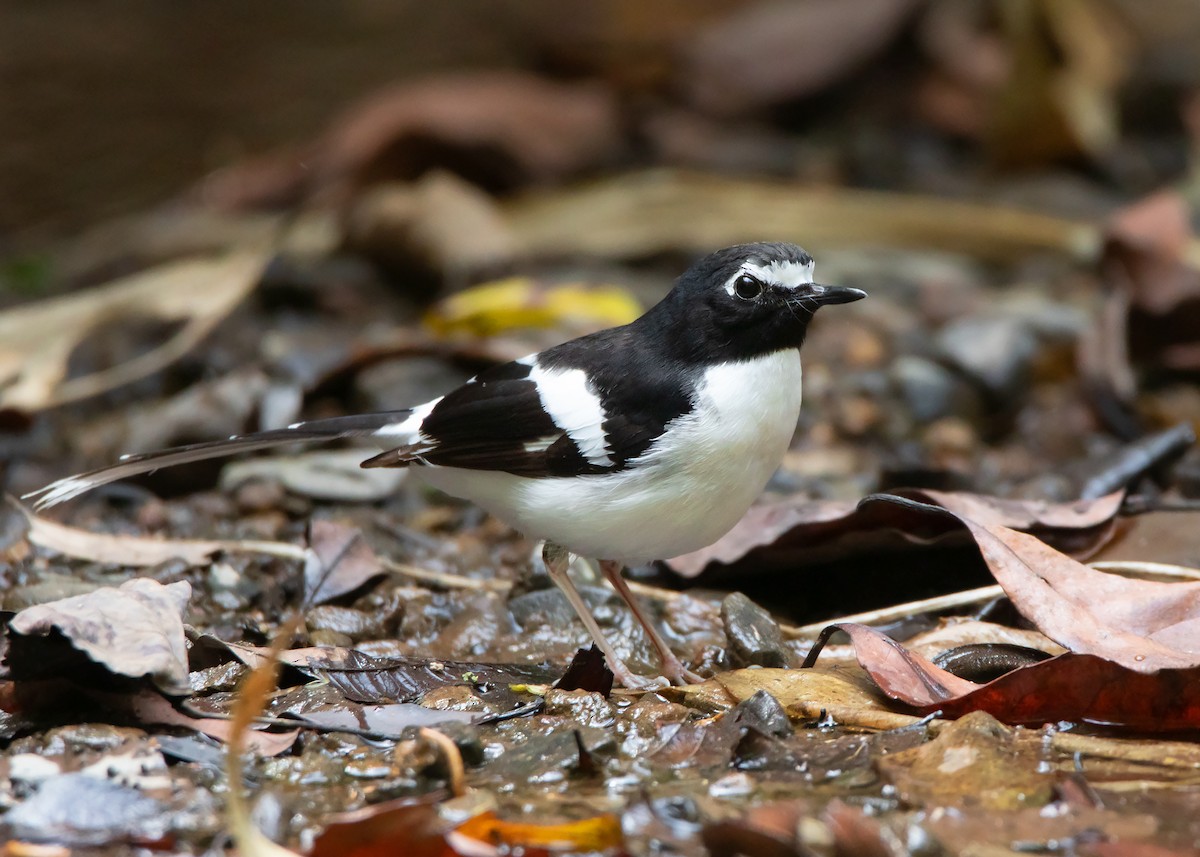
(520, 302)
(598, 833)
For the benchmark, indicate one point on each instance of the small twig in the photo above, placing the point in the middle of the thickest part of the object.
(454, 760)
(899, 611)
(1134, 460)
(446, 579)
(1134, 568)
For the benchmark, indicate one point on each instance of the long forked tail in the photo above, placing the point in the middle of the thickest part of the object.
(313, 431)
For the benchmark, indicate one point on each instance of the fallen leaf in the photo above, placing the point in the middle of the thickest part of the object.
(899, 673)
(1076, 688)
(150, 708)
(37, 339)
(141, 551)
(974, 761)
(1143, 625)
(799, 531)
(134, 630)
(498, 129)
(1152, 261)
(439, 223)
(339, 561)
(409, 826)
(767, 53)
(813, 694)
(518, 302)
(381, 721)
(638, 214)
(321, 474)
(486, 831)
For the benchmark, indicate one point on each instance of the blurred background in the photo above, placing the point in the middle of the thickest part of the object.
(1011, 179)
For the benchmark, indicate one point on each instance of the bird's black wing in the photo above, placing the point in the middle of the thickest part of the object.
(495, 421)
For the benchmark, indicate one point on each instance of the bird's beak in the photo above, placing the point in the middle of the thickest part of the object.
(821, 295)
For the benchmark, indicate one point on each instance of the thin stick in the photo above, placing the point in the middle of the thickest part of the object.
(454, 759)
(446, 579)
(899, 611)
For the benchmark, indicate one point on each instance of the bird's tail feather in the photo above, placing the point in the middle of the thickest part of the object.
(313, 431)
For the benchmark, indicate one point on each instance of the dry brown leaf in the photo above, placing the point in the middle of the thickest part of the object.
(134, 630)
(439, 223)
(36, 340)
(499, 129)
(768, 53)
(1142, 625)
(844, 695)
(639, 214)
(339, 562)
(141, 551)
(974, 761)
(799, 531)
(149, 707)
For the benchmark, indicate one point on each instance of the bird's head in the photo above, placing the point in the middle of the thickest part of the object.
(751, 299)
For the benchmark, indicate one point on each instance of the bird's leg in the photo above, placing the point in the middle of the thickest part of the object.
(672, 668)
(558, 560)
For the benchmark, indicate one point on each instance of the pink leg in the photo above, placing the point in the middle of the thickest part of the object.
(557, 560)
(672, 668)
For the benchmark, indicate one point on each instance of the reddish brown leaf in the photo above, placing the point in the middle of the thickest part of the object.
(799, 532)
(133, 630)
(1085, 688)
(767, 53)
(340, 561)
(901, 674)
(1143, 625)
(1070, 687)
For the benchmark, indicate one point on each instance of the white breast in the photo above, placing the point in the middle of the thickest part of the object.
(692, 485)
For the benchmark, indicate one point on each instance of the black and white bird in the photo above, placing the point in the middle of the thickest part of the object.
(629, 445)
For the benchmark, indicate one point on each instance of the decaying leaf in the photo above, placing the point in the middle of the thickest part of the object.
(1069, 687)
(440, 224)
(134, 630)
(901, 674)
(844, 696)
(769, 53)
(639, 214)
(36, 340)
(519, 302)
(141, 551)
(798, 531)
(339, 561)
(487, 832)
(1143, 625)
(326, 474)
(1152, 262)
(497, 128)
(974, 761)
(150, 708)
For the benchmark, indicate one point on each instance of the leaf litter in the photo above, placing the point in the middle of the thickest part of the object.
(419, 613)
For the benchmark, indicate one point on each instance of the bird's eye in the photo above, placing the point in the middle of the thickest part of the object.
(747, 288)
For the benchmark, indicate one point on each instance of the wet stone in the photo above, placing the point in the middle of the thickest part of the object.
(590, 709)
(754, 636)
(932, 391)
(355, 624)
(996, 352)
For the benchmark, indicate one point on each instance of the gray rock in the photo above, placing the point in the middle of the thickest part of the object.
(996, 352)
(932, 391)
(754, 636)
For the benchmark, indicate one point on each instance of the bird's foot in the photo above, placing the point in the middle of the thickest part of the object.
(678, 674)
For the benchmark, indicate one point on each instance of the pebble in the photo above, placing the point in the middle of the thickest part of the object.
(932, 391)
(754, 636)
(995, 352)
(588, 709)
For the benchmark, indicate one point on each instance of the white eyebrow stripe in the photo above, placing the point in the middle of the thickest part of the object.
(789, 275)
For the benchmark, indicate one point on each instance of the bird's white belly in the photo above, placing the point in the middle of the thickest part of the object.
(692, 485)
